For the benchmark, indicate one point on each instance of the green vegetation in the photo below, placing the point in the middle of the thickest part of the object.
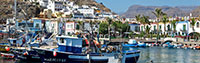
(193, 22)
(103, 29)
(159, 14)
(165, 20)
(116, 26)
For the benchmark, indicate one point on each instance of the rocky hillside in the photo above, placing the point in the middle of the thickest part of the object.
(171, 11)
(7, 10)
(91, 3)
(196, 12)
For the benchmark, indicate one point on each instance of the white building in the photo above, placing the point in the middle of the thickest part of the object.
(87, 12)
(44, 3)
(55, 6)
(135, 27)
(184, 27)
(70, 28)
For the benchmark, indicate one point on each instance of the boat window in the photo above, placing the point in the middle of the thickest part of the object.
(37, 25)
(184, 27)
(62, 40)
(197, 24)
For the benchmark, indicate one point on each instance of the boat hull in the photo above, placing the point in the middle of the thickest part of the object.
(64, 57)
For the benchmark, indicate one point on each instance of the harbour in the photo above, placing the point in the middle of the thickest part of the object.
(86, 31)
(155, 54)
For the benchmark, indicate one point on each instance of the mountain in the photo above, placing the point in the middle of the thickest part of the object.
(147, 10)
(196, 12)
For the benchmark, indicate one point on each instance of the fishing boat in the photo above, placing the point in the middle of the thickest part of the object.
(7, 55)
(131, 43)
(72, 50)
(4, 47)
(141, 44)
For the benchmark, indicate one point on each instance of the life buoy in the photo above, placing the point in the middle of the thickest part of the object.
(25, 53)
(97, 43)
(54, 53)
(86, 41)
(7, 48)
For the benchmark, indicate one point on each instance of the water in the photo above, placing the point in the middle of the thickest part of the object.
(155, 54)
(168, 55)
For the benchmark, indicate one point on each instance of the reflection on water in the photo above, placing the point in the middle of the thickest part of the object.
(155, 54)
(168, 55)
(3, 60)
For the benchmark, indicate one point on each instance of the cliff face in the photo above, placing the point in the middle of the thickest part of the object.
(7, 10)
(171, 11)
(91, 3)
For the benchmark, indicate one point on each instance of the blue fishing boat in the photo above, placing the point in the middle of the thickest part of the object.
(72, 50)
(141, 44)
(131, 43)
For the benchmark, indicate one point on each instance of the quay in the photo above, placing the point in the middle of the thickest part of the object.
(162, 41)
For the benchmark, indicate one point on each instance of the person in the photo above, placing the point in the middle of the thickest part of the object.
(23, 41)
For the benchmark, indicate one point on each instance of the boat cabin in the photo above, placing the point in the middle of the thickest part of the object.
(15, 42)
(69, 44)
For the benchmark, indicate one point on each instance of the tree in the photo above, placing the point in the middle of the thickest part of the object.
(158, 13)
(192, 23)
(138, 18)
(165, 20)
(174, 26)
(81, 25)
(103, 28)
(109, 20)
(116, 26)
(147, 30)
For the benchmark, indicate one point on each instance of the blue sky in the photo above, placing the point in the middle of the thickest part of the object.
(122, 5)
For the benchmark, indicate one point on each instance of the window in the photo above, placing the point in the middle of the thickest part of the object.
(142, 28)
(160, 27)
(62, 40)
(137, 29)
(37, 25)
(197, 24)
(168, 27)
(183, 33)
(184, 27)
(154, 27)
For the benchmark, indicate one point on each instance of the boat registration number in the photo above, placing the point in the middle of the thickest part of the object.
(54, 60)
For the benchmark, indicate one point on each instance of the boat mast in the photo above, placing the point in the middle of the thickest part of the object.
(15, 10)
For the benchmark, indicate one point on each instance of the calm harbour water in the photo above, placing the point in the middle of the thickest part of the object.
(157, 55)
(168, 55)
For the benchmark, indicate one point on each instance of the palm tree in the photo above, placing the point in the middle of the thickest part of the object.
(116, 27)
(81, 25)
(165, 20)
(193, 22)
(174, 26)
(146, 21)
(143, 20)
(138, 18)
(109, 28)
(158, 13)
(148, 28)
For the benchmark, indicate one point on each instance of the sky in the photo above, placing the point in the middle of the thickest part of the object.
(120, 6)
